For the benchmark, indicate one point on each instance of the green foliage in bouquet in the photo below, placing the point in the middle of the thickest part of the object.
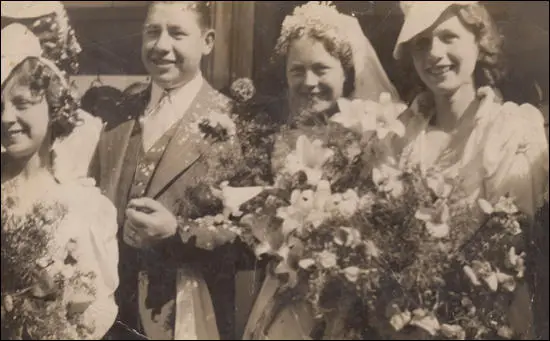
(379, 251)
(38, 302)
(208, 210)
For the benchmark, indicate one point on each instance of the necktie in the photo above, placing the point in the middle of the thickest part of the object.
(152, 122)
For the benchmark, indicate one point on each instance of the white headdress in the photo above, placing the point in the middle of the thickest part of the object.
(321, 16)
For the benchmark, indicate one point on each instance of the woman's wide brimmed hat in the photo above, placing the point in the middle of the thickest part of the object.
(30, 9)
(19, 44)
(419, 16)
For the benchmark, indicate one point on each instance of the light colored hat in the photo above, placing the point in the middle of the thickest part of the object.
(30, 9)
(419, 16)
(19, 44)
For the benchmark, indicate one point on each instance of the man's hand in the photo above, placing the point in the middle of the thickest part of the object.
(148, 222)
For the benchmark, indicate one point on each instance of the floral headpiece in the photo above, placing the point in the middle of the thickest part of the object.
(20, 44)
(48, 20)
(317, 17)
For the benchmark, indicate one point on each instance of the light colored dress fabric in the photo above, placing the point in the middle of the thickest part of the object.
(504, 151)
(90, 218)
(90, 223)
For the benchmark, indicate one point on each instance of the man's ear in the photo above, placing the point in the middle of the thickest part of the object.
(209, 37)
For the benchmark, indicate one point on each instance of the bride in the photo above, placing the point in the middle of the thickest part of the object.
(327, 57)
(59, 248)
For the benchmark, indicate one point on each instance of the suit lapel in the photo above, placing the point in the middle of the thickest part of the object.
(184, 149)
(115, 143)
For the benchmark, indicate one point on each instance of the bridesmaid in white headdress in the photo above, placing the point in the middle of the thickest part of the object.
(460, 126)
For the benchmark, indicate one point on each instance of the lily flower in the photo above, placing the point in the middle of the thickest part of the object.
(309, 157)
(380, 117)
(436, 219)
(387, 179)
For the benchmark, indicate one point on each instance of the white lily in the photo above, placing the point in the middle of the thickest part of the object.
(306, 263)
(234, 197)
(453, 331)
(368, 115)
(327, 259)
(516, 262)
(382, 117)
(352, 273)
(308, 157)
(504, 205)
(426, 321)
(436, 219)
(387, 179)
(436, 182)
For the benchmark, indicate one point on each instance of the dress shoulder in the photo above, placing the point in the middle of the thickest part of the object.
(516, 129)
(86, 203)
(515, 154)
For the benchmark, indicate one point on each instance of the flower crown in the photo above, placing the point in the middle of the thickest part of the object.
(320, 17)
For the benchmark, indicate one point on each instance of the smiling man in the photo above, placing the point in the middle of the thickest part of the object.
(145, 164)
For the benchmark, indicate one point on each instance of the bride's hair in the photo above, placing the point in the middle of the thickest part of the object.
(45, 83)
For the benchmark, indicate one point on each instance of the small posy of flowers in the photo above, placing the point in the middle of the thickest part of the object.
(243, 90)
(45, 292)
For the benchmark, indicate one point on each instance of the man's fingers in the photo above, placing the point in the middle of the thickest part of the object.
(145, 204)
(138, 219)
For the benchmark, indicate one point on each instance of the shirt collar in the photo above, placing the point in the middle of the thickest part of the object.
(178, 96)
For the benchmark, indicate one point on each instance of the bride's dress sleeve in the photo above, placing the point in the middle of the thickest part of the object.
(73, 154)
(92, 218)
(516, 156)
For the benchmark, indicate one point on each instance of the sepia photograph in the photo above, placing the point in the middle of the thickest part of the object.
(274, 170)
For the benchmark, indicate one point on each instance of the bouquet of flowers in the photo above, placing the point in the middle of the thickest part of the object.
(378, 249)
(208, 209)
(44, 294)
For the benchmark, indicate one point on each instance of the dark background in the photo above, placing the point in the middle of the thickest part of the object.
(110, 38)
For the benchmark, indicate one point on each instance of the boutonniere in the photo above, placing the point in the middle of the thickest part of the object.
(217, 126)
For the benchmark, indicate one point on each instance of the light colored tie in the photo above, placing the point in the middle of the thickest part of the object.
(152, 123)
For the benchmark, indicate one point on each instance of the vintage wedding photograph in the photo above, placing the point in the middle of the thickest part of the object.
(274, 170)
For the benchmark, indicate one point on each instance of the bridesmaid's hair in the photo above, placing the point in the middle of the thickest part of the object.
(201, 8)
(489, 69)
(45, 83)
